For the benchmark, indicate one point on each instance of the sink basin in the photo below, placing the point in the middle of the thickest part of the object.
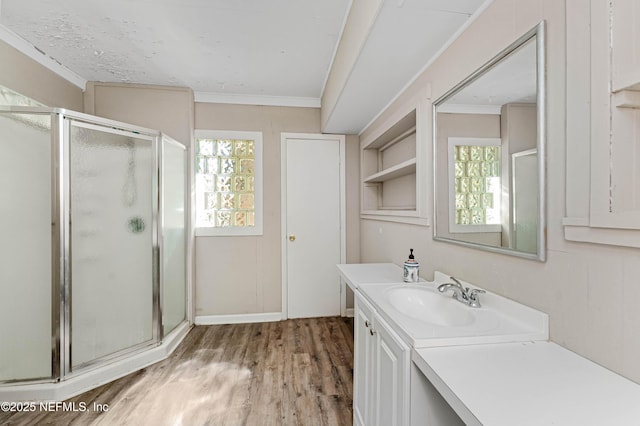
(424, 318)
(429, 306)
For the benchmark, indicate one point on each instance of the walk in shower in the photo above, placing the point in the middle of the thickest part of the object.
(93, 249)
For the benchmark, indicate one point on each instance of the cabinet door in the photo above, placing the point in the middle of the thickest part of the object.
(391, 375)
(363, 363)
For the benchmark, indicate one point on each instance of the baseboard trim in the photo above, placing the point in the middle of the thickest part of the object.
(237, 318)
(349, 312)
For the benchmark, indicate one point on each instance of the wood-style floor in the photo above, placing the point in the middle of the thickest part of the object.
(294, 372)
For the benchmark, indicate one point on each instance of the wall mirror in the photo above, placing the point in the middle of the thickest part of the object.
(489, 151)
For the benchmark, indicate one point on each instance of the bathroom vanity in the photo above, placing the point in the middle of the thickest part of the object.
(527, 383)
(423, 358)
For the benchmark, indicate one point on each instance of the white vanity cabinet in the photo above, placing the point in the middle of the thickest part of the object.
(381, 371)
(363, 355)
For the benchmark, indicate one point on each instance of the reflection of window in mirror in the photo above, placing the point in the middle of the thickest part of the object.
(475, 198)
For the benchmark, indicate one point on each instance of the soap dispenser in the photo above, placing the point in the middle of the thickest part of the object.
(411, 269)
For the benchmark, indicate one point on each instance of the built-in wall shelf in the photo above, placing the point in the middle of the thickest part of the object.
(395, 134)
(390, 166)
(403, 216)
(405, 168)
(627, 99)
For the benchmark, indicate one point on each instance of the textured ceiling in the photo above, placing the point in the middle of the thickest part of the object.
(268, 52)
(250, 47)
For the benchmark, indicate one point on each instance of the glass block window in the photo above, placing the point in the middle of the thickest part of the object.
(228, 183)
(476, 177)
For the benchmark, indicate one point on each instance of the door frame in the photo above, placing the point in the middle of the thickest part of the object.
(283, 205)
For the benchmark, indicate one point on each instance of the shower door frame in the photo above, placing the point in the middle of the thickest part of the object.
(186, 197)
(55, 257)
(64, 197)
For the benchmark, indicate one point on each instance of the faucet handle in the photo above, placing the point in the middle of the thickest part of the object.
(474, 301)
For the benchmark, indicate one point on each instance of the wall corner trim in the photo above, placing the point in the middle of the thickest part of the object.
(32, 52)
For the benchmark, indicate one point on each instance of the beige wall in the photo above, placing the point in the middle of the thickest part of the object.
(518, 127)
(590, 291)
(27, 77)
(168, 109)
(242, 275)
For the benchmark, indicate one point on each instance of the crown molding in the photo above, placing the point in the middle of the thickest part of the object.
(470, 109)
(232, 98)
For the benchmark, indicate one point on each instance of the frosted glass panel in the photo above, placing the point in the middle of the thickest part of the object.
(111, 242)
(174, 236)
(25, 246)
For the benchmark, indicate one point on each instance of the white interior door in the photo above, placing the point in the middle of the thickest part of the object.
(312, 227)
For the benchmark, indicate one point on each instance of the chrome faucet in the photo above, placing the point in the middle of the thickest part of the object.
(457, 288)
(463, 295)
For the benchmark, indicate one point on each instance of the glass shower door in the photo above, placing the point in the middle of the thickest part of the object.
(25, 247)
(174, 236)
(111, 241)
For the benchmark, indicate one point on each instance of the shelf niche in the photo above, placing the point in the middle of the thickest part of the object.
(389, 172)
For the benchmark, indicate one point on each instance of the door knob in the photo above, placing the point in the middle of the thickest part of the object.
(292, 237)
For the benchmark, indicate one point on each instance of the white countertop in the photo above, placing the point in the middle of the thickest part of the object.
(528, 383)
(356, 274)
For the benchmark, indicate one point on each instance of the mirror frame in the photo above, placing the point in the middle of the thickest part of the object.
(539, 33)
